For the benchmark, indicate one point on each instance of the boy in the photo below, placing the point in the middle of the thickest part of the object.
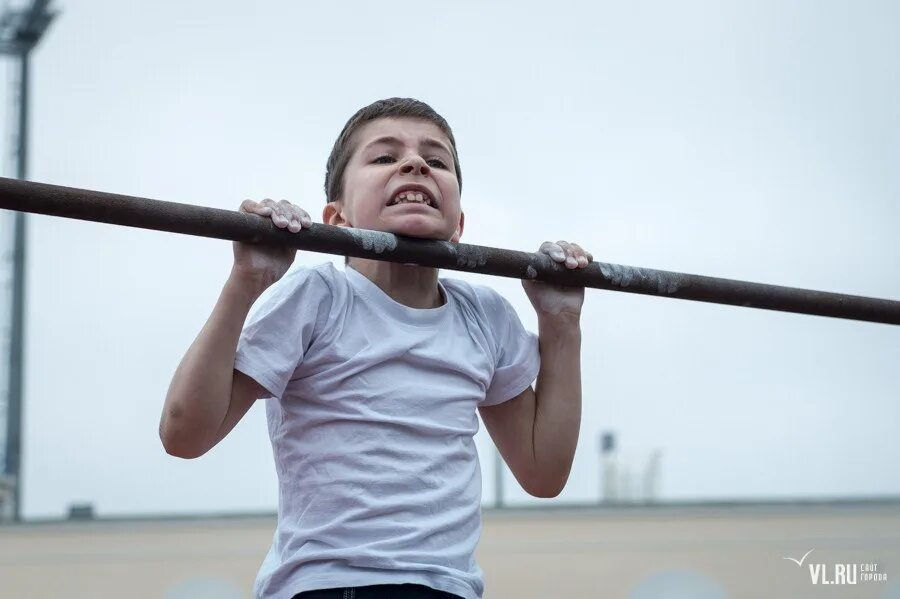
(372, 376)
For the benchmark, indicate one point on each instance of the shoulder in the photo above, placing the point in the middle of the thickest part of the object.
(486, 297)
(309, 284)
(487, 303)
(324, 275)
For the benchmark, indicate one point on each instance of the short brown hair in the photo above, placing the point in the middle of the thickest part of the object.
(390, 107)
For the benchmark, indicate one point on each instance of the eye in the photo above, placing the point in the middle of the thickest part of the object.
(381, 159)
(440, 163)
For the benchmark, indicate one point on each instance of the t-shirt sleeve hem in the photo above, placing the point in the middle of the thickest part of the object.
(513, 389)
(260, 375)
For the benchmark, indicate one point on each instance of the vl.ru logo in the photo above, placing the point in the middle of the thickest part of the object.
(841, 573)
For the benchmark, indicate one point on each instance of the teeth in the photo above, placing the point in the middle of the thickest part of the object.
(410, 196)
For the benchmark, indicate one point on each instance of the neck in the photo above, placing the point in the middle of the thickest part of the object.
(410, 285)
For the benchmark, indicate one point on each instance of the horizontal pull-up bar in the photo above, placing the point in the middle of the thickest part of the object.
(69, 202)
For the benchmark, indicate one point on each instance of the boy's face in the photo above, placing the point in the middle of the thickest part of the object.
(395, 154)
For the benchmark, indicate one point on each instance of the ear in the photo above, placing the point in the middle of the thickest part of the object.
(459, 229)
(332, 215)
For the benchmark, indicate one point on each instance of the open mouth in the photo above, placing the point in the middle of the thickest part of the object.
(413, 196)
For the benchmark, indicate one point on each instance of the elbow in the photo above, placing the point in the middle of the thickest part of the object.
(546, 489)
(548, 481)
(178, 445)
(179, 451)
(545, 492)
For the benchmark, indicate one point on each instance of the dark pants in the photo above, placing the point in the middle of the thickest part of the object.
(378, 591)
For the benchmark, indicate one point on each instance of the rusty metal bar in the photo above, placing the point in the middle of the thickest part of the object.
(174, 217)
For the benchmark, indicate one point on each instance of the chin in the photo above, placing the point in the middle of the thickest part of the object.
(419, 229)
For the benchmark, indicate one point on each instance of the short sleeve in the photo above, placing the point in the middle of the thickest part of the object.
(281, 329)
(518, 354)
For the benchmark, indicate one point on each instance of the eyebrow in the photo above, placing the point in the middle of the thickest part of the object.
(426, 141)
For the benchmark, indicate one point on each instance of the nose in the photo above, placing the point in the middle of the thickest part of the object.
(414, 165)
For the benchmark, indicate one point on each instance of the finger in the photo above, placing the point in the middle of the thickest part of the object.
(251, 207)
(288, 211)
(571, 259)
(291, 216)
(283, 209)
(248, 205)
(579, 255)
(301, 216)
(266, 207)
(553, 250)
(280, 219)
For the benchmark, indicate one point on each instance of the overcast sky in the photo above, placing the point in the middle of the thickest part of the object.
(749, 140)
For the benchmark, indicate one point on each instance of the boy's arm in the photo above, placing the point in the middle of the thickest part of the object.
(198, 404)
(537, 431)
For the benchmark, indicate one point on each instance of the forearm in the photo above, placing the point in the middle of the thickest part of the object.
(200, 391)
(557, 419)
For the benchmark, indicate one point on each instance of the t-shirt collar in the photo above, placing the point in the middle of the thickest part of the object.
(393, 308)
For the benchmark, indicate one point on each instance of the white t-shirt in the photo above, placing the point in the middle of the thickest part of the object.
(372, 416)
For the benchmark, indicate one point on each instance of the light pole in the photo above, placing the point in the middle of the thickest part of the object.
(21, 29)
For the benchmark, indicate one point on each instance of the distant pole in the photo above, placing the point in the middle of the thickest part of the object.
(609, 474)
(13, 468)
(20, 31)
(651, 476)
(498, 479)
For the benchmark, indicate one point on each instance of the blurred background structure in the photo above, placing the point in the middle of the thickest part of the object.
(756, 141)
(21, 28)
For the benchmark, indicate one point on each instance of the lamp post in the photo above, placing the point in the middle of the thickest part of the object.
(21, 28)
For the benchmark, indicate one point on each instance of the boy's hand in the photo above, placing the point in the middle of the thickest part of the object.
(556, 300)
(263, 263)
